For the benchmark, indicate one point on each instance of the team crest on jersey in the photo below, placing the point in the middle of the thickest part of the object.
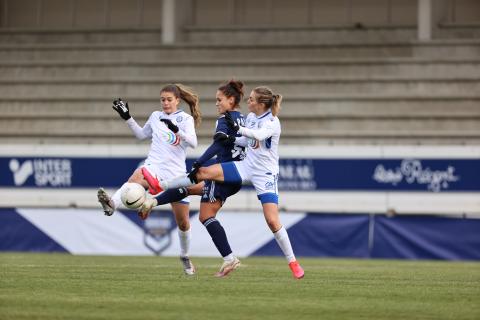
(171, 138)
(179, 119)
(269, 185)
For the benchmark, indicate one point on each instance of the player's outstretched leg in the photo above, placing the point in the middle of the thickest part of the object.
(106, 202)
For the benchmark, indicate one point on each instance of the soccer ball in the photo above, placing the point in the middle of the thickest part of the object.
(133, 195)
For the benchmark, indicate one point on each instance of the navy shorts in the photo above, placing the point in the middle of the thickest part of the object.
(215, 191)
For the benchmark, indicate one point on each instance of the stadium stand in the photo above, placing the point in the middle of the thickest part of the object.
(380, 123)
(341, 85)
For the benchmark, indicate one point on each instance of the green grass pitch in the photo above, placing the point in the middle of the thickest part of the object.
(62, 286)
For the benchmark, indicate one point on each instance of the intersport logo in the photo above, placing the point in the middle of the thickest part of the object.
(46, 172)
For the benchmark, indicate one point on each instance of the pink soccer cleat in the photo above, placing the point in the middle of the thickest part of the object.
(297, 270)
(153, 184)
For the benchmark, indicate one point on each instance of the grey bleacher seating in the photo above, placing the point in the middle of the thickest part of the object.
(57, 87)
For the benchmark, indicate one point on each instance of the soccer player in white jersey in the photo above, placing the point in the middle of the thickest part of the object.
(171, 132)
(260, 167)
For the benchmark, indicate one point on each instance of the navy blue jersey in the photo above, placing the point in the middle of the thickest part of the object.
(224, 151)
(230, 152)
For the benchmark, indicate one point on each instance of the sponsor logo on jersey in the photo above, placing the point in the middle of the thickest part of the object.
(171, 138)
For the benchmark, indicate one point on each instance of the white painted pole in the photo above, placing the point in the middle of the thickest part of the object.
(424, 20)
(168, 21)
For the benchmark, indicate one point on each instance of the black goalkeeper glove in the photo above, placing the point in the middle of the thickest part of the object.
(122, 108)
(192, 175)
(170, 125)
(231, 123)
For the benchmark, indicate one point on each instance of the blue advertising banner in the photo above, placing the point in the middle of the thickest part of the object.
(428, 175)
(87, 231)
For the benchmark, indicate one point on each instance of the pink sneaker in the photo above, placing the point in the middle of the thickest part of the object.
(297, 270)
(153, 184)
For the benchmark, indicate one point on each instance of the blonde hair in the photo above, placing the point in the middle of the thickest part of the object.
(269, 99)
(189, 96)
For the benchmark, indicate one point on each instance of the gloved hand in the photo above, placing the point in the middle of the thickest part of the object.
(122, 108)
(231, 123)
(192, 175)
(170, 125)
(224, 138)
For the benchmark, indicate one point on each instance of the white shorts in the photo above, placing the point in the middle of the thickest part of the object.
(164, 174)
(262, 181)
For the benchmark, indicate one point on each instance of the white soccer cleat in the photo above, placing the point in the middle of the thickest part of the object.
(146, 208)
(106, 202)
(188, 266)
(227, 267)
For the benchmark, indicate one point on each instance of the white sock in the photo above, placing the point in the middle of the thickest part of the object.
(184, 237)
(230, 257)
(179, 182)
(116, 198)
(284, 243)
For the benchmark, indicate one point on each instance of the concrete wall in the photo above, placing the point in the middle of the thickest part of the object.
(202, 13)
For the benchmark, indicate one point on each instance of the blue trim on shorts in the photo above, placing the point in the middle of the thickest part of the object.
(230, 173)
(268, 197)
(183, 202)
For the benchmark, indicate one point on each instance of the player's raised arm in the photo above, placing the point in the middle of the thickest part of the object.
(123, 110)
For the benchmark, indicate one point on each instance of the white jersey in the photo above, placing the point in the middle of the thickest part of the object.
(167, 150)
(264, 136)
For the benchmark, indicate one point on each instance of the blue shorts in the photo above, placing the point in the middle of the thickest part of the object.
(215, 191)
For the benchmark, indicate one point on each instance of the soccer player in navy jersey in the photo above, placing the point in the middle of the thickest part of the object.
(213, 194)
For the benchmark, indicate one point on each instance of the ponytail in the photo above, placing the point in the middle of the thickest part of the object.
(189, 96)
(269, 99)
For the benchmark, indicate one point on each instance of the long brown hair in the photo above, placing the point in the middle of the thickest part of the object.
(268, 98)
(189, 96)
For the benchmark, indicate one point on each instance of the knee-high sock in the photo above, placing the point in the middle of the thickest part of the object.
(171, 195)
(284, 243)
(184, 237)
(218, 235)
(116, 198)
(179, 182)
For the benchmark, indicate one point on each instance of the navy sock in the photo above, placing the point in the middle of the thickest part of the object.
(172, 195)
(218, 235)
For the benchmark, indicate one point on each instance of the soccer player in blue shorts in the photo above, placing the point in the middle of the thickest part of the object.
(260, 166)
(214, 194)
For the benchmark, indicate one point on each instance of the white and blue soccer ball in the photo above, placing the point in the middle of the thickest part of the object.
(133, 195)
